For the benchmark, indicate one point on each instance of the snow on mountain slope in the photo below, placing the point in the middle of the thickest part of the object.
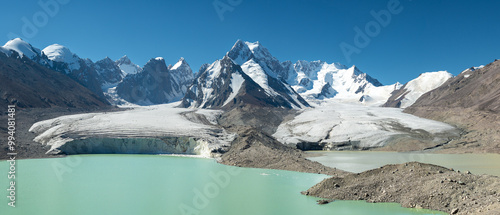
(424, 83)
(318, 80)
(256, 73)
(182, 74)
(468, 72)
(377, 96)
(225, 85)
(215, 87)
(60, 53)
(153, 122)
(127, 66)
(335, 124)
(415, 88)
(236, 84)
(264, 69)
(22, 47)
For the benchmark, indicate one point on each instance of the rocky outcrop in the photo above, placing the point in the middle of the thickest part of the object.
(109, 72)
(253, 148)
(154, 85)
(416, 185)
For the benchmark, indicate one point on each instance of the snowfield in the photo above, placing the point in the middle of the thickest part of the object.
(158, 121)
(422, 84)
(336, 123)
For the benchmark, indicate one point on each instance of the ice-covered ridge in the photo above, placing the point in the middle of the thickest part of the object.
(141, 122)
(332, 123)
(422, 84)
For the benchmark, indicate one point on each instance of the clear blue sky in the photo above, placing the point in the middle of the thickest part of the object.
(425, 36)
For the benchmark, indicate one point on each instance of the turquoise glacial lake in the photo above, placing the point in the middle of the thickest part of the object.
(154, 184)
(359, 161)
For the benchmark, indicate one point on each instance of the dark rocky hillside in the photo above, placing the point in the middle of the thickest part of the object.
(470, 101)
(27, 84)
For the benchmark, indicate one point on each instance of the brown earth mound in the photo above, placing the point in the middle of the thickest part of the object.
(417, 185)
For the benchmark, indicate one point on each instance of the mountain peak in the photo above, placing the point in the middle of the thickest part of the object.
(127, 66)
(156, 65)
(181, 63)
(124, 60)
(106, 60)
(252, 46)
(22, 47)
(240, 52)
(59, 53)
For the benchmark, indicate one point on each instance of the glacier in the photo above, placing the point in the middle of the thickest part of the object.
(159, 129)
(333, 125)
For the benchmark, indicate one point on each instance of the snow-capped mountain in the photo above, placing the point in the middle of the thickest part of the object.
(248, 74)
(25, 49)
(127, 66)
(81, 70)
(287, 84)
(258, 63)
(320, 80)
(316, 80)
(242, 52)
(225, 85)
(22, 47)
(155, 84)
(61, 54)
(103, 76)
(415, 88)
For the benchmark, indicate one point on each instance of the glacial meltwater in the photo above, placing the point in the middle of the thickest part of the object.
(167, 185)
(358, 161)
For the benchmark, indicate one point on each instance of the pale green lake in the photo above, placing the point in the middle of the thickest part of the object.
(358, 161)
(153, 184)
